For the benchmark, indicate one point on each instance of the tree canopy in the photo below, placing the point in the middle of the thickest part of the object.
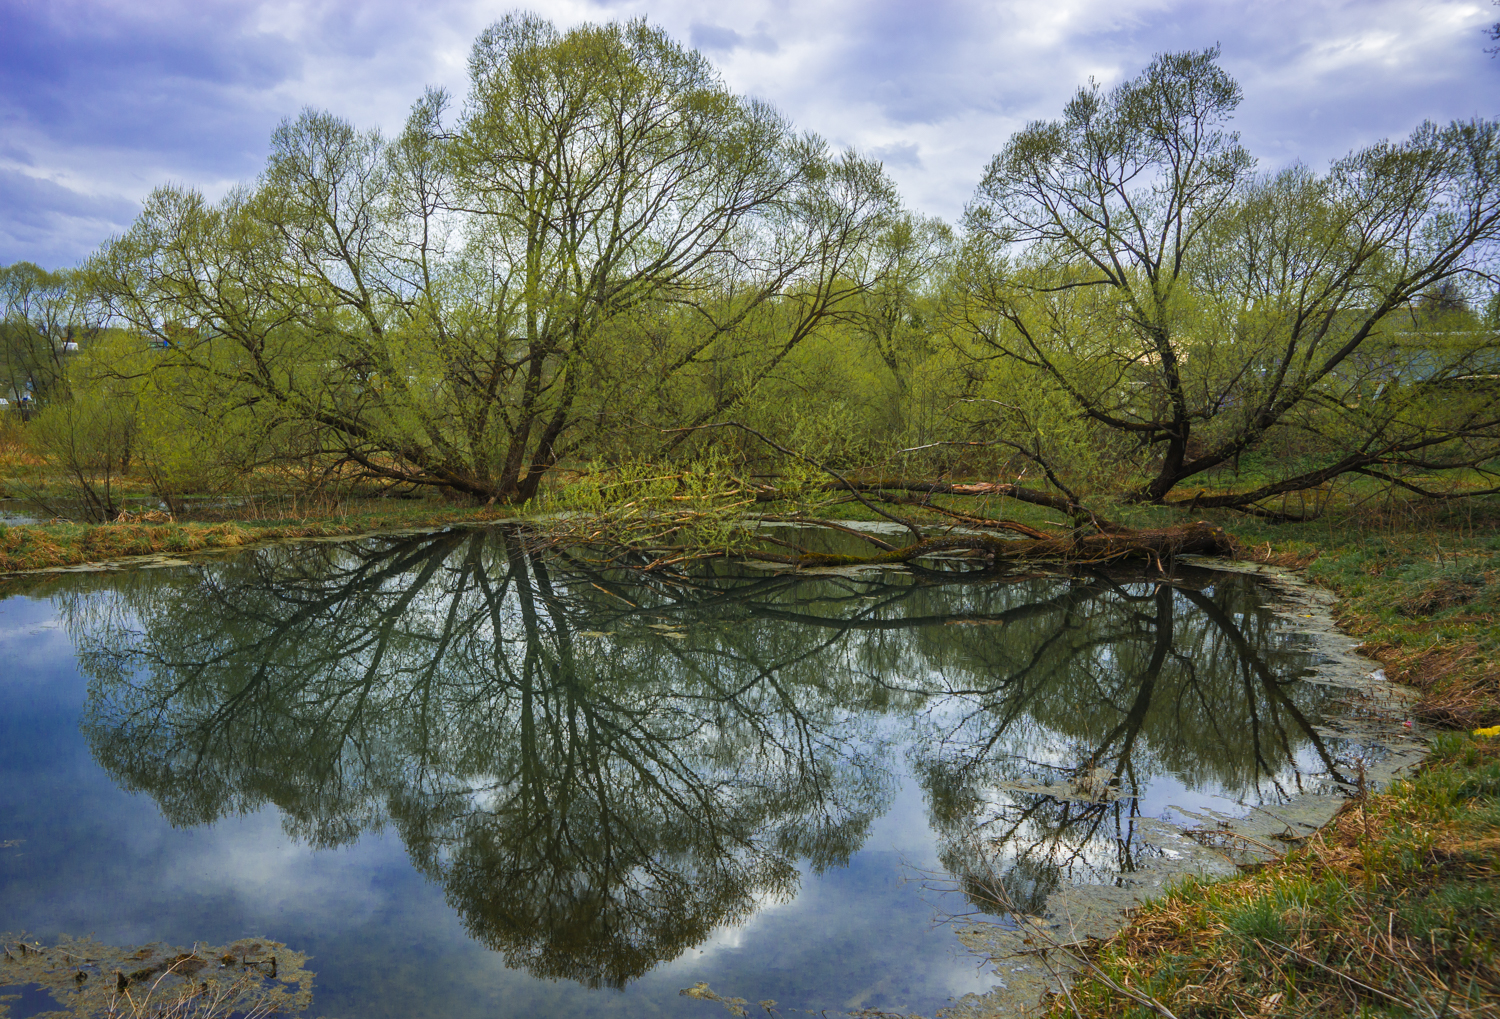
(600, 250)
(41, 313)
(445, 308)
(1183, 306)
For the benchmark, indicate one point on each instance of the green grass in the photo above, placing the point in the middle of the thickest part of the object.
(1393, 909)
(43, 546)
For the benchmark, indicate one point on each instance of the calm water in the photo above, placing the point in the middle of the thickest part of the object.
(470, 781)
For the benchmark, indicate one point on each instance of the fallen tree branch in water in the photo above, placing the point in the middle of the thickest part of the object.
(646, 524)
(1001, 489)
(838, 479)
(971, 519)
(1065, 503)
(1199, 538)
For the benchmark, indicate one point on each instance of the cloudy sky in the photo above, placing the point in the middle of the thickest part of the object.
(101, 101)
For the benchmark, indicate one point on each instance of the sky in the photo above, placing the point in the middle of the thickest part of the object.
(102, 101)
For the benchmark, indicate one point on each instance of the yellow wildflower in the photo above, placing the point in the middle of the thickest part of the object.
(1493, 730)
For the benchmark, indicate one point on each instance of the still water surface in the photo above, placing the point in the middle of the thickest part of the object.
(473, 781)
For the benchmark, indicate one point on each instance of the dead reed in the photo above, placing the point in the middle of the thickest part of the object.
(1392, 909)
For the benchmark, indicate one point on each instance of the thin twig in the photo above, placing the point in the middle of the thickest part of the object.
(1342, 976)
(1061, 982)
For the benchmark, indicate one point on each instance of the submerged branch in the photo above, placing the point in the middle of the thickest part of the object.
(971, 519)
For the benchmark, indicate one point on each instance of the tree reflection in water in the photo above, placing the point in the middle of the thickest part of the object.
(602, 766)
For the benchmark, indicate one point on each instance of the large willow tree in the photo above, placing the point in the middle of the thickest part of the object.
(446, 308)
(1140, 288)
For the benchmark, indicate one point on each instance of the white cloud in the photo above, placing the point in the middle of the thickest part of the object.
(109, 100)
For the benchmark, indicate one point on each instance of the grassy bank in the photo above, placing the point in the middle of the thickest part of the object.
(1393, 909)
(61, 544)
(1423, 595)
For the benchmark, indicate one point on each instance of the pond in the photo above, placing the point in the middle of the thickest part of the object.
(472, 779)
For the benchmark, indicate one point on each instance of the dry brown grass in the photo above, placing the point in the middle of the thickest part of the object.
(249, 979)
(51, 546)
(1457, 679)
(1267, 554)
(1391, 909)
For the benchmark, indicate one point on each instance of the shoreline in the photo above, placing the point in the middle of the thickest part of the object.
(27, 549)
(1383, 599)
(1211, 846)
(1394, 899)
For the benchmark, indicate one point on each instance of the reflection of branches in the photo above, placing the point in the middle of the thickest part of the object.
(1041, 800)
(588, 817)
(1269, 683)
(601, 765)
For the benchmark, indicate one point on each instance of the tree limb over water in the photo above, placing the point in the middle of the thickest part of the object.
(1200, 538)
(981, 537)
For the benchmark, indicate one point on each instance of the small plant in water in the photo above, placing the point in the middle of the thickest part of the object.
(251, 978)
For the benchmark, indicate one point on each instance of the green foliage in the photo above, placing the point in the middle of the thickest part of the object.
(471, 302)
(1128, 254)
(90, 437)
(699, 505)
(41, 314)
(512, 286)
